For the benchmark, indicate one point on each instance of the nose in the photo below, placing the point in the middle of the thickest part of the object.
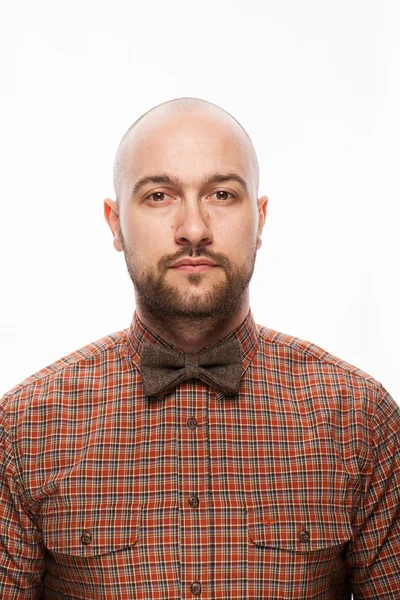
(193, 226)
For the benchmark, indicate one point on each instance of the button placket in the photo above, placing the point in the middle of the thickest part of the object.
(194, 467)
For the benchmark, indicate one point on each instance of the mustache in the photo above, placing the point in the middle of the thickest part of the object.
(218, 257)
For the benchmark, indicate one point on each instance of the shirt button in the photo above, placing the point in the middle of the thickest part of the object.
(194, 501)
(195, 588)
(191, 423)
(304, 536)
(86, 538)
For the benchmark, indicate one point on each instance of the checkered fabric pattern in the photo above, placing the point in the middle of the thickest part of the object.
(289, 489)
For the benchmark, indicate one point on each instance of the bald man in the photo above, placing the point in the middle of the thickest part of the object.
(196, 453)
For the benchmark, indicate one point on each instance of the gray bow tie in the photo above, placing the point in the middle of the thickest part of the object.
(163, 368)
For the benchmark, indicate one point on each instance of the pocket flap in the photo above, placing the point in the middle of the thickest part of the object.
(81, 533)
(300, 528)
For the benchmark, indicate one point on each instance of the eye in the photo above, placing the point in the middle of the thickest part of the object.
(158, 197)
(222, 192)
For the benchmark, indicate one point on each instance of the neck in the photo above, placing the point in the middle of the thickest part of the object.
(191, 335)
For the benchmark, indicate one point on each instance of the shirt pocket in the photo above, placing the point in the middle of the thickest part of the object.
(88, 549)
(298, 551)
(299, 528)
(83, 533)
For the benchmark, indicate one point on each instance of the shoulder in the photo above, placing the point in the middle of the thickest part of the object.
(305, 358)
(86, 362)
(307, 380)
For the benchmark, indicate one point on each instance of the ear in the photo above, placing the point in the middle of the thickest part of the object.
(262, 215)
(111, 215)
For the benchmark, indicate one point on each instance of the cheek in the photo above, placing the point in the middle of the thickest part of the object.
(240, 234)
(148, 240)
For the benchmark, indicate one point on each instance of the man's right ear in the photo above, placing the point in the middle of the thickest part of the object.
(111, 215)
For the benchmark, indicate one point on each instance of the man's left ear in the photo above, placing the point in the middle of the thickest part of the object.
(262, 215)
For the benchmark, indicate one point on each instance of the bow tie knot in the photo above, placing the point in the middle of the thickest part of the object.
(192, 366)
(219, 366)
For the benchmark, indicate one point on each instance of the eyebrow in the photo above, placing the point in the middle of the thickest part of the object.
(167, 179)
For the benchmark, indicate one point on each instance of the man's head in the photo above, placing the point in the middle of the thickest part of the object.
(199, 201)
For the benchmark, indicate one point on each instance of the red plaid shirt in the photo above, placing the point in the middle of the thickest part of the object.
(288, 489)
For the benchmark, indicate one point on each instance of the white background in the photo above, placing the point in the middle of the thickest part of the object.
(315, 84)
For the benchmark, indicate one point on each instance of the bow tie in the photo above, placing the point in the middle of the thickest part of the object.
(219, 366)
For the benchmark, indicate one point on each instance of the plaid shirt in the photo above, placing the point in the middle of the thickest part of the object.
(288, 489)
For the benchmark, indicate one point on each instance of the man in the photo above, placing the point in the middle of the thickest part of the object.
(197, 454)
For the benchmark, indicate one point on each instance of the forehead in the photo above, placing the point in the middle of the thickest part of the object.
(186, 145)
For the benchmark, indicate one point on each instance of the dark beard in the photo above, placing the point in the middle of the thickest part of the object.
(165, 302)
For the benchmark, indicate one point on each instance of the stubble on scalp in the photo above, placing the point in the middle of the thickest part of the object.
(180, 105)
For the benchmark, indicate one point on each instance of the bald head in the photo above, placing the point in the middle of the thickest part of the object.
(195, 115)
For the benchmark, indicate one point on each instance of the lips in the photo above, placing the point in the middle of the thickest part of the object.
(194, 265)
(195, 268)
(187, 262)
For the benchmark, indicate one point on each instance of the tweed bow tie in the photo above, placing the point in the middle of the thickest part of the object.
(219, 366)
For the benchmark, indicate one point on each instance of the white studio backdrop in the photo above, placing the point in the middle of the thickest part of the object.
(315, 84)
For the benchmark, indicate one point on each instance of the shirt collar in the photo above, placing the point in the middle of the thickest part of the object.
(247, 334)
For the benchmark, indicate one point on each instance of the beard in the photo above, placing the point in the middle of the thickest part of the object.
(164, 301)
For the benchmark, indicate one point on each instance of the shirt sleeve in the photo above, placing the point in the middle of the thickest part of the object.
(374, 555)
(21, 547)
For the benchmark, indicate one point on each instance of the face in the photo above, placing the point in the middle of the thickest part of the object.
(189, 243)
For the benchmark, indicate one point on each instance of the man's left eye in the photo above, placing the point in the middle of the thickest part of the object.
(222, 192)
